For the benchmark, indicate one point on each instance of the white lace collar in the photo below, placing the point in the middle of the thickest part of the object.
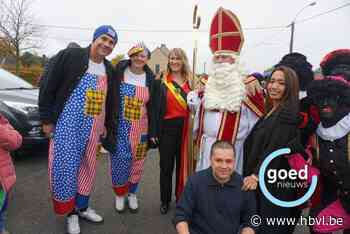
(339, 130)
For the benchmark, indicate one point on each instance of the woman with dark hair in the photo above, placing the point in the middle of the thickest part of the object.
(171, 118)
(278, 129)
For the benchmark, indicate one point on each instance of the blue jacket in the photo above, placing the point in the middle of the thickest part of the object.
(210, 208)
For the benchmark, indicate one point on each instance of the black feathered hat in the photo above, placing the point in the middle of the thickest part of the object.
(298, 62)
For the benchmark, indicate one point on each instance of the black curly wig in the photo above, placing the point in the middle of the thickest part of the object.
(298, 62)
(330, 86)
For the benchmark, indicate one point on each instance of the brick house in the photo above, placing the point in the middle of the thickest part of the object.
(159, 59)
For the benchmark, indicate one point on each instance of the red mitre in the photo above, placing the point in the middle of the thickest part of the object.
(336, 57)
(226, 34)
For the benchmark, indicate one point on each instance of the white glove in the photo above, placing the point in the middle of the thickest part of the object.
(193, 100)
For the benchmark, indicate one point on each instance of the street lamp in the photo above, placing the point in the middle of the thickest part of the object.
(292, 25)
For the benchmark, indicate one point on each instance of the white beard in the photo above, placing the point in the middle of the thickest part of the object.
(225, 89)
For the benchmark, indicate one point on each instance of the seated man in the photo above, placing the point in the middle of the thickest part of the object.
(213, 201)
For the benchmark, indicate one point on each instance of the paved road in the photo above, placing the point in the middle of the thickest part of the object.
(30, 210)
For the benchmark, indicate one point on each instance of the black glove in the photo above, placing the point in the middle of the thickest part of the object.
(153, 145)
(296, 146)
(288, 117)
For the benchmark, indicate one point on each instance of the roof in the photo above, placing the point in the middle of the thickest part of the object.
(163, 49)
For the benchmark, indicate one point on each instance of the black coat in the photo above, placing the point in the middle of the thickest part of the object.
(159, 92)
(63, 75)
(268, 135)
(335, 170)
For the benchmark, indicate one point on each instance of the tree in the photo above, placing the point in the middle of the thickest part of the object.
(318, 71)
(17, 29)
(28, 59)
(5, 48)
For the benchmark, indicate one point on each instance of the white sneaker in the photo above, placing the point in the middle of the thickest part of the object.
(133, 204)
(91, 215)
(120, 203)
(73, 224)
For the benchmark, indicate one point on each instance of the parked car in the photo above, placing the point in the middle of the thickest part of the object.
(18, 103)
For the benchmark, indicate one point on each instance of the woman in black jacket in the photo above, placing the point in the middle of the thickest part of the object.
(135, 111)
(171, 115)
(278, 129)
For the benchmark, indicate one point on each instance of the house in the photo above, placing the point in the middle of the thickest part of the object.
(159, 59)
(6, 59)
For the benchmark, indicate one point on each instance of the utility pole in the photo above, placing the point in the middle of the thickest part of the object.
(291, 37)
(292, 25)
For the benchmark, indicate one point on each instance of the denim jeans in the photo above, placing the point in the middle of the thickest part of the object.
(2, 211)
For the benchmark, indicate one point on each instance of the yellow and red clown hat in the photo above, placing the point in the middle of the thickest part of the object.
(139, 47)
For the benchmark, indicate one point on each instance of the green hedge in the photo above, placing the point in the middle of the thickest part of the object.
(30, 74)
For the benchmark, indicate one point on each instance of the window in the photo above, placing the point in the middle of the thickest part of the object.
(157, 68)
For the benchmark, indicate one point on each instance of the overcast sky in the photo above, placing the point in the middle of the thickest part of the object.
(262, 48)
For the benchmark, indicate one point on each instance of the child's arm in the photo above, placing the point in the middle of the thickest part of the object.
(10, 139)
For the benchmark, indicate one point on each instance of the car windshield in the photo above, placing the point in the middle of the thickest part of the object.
(9, 81)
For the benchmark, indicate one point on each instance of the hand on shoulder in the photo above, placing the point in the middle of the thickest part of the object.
(287, 116)
(252, 86)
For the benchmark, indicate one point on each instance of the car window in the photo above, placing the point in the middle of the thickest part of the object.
(9, 81)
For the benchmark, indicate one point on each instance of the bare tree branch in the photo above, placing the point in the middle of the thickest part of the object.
(17, 28)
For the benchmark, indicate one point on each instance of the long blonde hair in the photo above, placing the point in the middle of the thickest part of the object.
(185, 70)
